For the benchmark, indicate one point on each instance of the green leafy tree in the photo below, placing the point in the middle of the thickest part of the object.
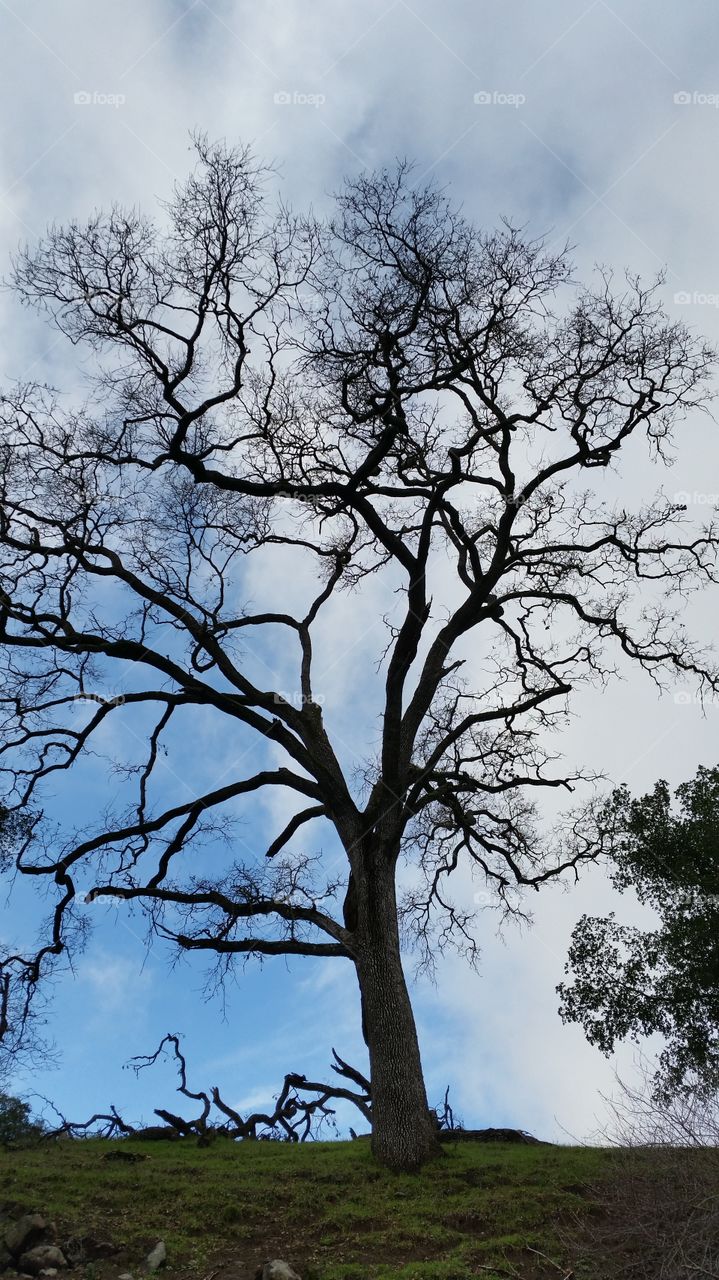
(16, 1122)
(630, 981)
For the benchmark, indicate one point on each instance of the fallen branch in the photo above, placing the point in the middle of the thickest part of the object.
(300, 1109)
(105, 1125)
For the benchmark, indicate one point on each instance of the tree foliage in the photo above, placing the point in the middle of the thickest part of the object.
(16, 1122)
(630, 981)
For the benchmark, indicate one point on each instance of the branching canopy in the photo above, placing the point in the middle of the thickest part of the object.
(393, 395)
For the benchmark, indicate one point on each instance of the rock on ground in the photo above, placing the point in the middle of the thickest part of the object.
(27, 1231)
(277, 1270)
(157, 1257)
(42, 1257)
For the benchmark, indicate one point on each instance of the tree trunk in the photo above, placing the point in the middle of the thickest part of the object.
(404, 1134)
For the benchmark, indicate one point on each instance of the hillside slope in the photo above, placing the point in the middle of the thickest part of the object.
(484, 1210)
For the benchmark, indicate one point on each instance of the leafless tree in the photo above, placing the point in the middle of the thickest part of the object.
(388, 395)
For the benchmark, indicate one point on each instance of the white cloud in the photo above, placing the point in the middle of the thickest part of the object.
(110, 979)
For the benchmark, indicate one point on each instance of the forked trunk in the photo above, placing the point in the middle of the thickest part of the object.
(404, 1134)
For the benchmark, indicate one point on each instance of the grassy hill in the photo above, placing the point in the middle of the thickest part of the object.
(484, 1210)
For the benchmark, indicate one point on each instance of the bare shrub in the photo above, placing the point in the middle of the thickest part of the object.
(657, 1212)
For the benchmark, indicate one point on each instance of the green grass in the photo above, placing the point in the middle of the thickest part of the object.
(325, 1207)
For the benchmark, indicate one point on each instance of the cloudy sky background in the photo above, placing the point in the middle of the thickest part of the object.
(592, 122)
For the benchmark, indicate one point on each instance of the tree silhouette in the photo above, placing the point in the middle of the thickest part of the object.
(385, 396)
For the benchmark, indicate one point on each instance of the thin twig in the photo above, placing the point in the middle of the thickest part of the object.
(566, 1275)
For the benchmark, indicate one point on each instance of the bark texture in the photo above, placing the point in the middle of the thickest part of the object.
(404, 1133)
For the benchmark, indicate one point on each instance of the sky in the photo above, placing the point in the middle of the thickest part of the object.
(593, 122)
